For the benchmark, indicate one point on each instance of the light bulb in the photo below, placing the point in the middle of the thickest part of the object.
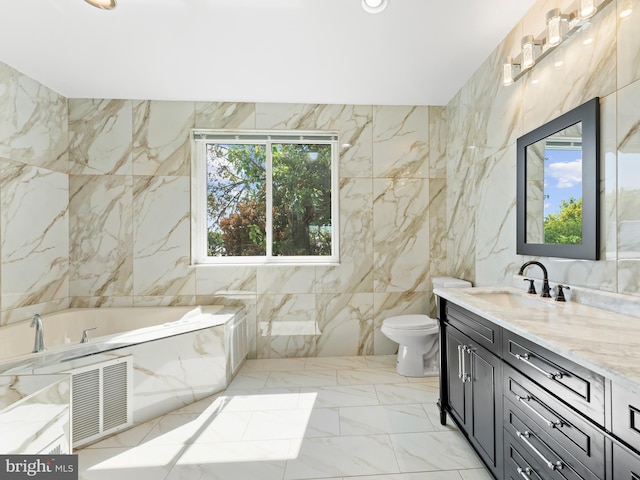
(554, 27)
(587, 8)
(528, 54)
(509, 71)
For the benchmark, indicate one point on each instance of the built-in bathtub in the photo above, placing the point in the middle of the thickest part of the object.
(175, 355)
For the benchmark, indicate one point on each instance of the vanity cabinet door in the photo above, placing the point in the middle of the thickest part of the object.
(626, 415)
(457, 389)
(474, 382)
(626, 465)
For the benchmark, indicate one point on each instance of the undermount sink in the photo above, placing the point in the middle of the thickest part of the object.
(510, 299)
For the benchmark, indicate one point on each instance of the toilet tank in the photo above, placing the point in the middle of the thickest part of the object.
(450, 282)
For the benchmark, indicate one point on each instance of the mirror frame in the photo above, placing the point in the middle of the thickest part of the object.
(589, 114)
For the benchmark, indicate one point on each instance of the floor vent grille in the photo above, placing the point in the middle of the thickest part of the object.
(101, 399)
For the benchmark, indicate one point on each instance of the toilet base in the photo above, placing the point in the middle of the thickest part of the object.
(411, 363)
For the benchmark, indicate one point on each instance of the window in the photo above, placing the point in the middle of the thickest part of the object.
(264, 197)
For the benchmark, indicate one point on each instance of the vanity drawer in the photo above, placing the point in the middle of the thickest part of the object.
(577, 386)
(531, 440)
(516, 465)
(626, 465)
(553, 419)
(479, 329)
(625, 413)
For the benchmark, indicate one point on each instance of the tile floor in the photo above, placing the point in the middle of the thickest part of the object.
(292, 419)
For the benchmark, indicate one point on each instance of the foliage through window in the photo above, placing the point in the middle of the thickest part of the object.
(264, 197)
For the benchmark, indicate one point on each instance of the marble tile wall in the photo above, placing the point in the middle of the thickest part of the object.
(484, 120)
(130, 211)
(34, 197)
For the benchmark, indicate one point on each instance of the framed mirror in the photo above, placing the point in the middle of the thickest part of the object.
(558, 186)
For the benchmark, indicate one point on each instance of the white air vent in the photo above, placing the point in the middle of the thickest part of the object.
(101, 399)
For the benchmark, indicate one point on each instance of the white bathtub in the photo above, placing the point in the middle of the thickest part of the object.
(116, 327)
(178, 354)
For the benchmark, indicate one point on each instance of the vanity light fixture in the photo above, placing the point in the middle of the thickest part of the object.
(102, 4)
(374, 6)
(559, 27)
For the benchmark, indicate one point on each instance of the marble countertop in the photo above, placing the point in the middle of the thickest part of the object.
(605, 342)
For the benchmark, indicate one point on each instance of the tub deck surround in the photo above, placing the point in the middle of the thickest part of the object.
(179, 354)
(116, 328)
(603, 341)
(34, 413)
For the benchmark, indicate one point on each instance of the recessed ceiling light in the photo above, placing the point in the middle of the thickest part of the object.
(103, 4)
(374, 6)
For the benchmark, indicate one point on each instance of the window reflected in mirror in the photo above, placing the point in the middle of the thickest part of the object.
(554, 188)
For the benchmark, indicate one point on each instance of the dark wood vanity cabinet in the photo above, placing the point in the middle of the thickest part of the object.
(530, 413)
(473, 382)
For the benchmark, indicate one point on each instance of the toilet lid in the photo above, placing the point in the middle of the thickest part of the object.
(410, 322)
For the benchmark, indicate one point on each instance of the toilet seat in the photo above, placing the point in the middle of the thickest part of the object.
(412, 322)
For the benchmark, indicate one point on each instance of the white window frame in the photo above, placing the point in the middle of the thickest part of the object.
(200, 138)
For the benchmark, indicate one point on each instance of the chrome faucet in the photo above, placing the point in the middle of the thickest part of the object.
(85, 335)
(545, 278)
(38, 346)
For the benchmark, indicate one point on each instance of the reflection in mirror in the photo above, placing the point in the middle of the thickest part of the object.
(554, 188)
(558, 180)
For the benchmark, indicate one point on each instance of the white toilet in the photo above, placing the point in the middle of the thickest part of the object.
(417, 337)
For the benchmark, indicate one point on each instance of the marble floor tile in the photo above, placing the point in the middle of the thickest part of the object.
(292, 424)
(335, 363)
(232, 460)
(386, 362)
(368, 376)
(128, 463)
(296, 419)
(311, 378)
(249, 380)
(128, 438)
(446, 475)
(341, 396)
(190, 428)
(342, 456)
(384, 419)
(263, 399)
(274, 364)
(393, 394)
(417, 452)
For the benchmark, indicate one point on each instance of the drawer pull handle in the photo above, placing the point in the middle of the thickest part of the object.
(524, 472)
(459, 361)
(525, 358)
(553, 466)
(524, 400)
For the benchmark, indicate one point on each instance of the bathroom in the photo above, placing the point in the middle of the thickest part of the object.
(95, 196)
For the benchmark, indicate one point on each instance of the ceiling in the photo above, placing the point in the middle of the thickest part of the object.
(416, 52)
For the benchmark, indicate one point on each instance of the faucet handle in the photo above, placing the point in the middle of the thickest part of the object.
(532, 288)
(560, 295)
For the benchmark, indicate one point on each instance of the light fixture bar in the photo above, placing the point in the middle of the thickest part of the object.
(534, 49)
